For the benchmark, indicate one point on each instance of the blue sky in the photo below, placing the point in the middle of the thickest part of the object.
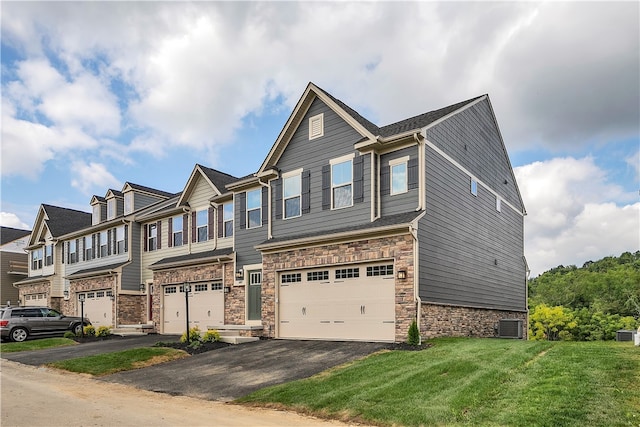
(96, 94)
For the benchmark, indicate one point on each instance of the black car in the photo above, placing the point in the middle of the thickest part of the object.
(18, 323)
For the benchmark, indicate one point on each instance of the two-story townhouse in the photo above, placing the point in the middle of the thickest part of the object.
(102, 261)
(350, 231)
(45, 283)
(188, 245)
(13, 262)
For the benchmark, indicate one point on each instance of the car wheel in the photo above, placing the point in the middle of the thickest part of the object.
(77, 329)
(19, 334)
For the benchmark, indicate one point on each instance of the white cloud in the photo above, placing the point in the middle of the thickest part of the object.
(572, 214)
(8, 219)
(92, 177)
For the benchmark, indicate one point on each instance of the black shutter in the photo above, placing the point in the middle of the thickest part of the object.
(170, 231)
(159, 235)
(144, 238)
(358, 179)
(277, 188)
(306, 191)
(93, 246)
(265, 205)
(126, 238)
(210, 223)
(385, 180)
(81, 255)
(109, 242)
(220, 221)
(412, 172)
(65, 251)
(242, 198)
(326, 187)
(193, 227)
(185, 229)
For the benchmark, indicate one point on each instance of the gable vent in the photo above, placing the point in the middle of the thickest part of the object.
(316, 126)
(510, 328)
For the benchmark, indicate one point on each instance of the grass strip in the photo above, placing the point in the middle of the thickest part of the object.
(12, 347)
(475, 382)
(109, 363)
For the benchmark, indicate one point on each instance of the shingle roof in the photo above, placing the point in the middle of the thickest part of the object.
(63, 220)
(398, 219)
(103, 268)
(192, 257)
(150, 190)
(8, 234)
(219, 179)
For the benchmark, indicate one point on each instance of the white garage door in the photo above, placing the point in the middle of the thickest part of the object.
(34, 300)
(339, 303)
(98, 307)
(206, 307)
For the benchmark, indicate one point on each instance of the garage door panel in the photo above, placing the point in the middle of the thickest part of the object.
(98, 308)
(353, 307)
(206, 307)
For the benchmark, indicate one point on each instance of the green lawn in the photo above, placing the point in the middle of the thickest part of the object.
(108, 363)
(10, 347)
(476, 382)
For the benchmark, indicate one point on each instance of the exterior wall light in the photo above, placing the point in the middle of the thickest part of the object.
(402, 274)
(142, 287)
(66, 294)
(227, 289)
(239, 275)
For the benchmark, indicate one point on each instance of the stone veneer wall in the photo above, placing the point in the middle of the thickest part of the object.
(452, 321)
(234, 300)
(130, 309)
(39, 288)
(398, 248)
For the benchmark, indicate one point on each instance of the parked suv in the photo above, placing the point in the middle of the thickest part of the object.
(18, 323)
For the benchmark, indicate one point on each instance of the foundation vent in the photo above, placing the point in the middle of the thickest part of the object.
(510, 328)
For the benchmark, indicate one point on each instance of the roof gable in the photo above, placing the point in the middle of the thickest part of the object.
(130, 186)
(215, 179)
(61, 221)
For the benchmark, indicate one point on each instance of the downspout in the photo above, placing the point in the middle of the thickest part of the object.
(115, 298)
(188, 212)
(416, 275)
(378, 193)
(269, 233)
(421, 171)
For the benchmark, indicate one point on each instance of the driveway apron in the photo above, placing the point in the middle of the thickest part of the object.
(231, 372)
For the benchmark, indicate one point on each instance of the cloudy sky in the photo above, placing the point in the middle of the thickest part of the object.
(96, 94)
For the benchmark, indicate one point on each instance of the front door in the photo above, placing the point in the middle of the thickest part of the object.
(254, 298)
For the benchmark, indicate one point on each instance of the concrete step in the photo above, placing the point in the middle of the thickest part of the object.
(235, 339)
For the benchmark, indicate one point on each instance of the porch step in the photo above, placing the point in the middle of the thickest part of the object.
(132, 330)
(231, 333)
(235, 339)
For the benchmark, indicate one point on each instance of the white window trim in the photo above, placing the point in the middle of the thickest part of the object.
(259, 208)
(338, 160)
(498, 204)
(96, 214)
(198, 210)
(112, 208)
(318, 118)
(225, 221)
(395, 162)
(128, 202)
(298, 173)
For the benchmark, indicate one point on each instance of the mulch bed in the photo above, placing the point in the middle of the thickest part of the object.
(193, 349)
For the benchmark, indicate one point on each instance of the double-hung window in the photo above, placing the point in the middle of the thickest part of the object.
(48, 255)
(73, 252)
(128, 202)
(36, 259)
(342, 184)
(88, 248)
(254, 208)
(228, 219)
(176, 223)
(104, 241)
(120, 246)
(292, 186)
(202, 225)
(399, 175)
(152, 237)
(111, 208)
(95, 218)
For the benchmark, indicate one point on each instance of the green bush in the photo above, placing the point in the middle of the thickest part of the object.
(211, 336)
(89, 331)
(69, 335)
(103, 331)
(414, 334)
(194, 335)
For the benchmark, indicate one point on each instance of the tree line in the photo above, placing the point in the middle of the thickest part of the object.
(586, 303)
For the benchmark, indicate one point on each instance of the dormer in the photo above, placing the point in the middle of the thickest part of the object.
(138, 196)
(98, 209)
(115, 204)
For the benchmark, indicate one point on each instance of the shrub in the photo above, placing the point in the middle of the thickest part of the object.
(89, 331)
(194, 335)
(69, 335)
(413, 337)
(211, 336)
(103, 331)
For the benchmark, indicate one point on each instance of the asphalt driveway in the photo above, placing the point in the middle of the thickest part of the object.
(224, 374)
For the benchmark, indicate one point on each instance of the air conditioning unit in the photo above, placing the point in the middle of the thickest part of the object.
(510, 328)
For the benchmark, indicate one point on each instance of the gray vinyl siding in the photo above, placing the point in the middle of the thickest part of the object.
(246, 239)
(8, 291)
(462, 237)
(141, 200)
(398, 203)
(338, 140)
(484, 155)
(131, 277)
